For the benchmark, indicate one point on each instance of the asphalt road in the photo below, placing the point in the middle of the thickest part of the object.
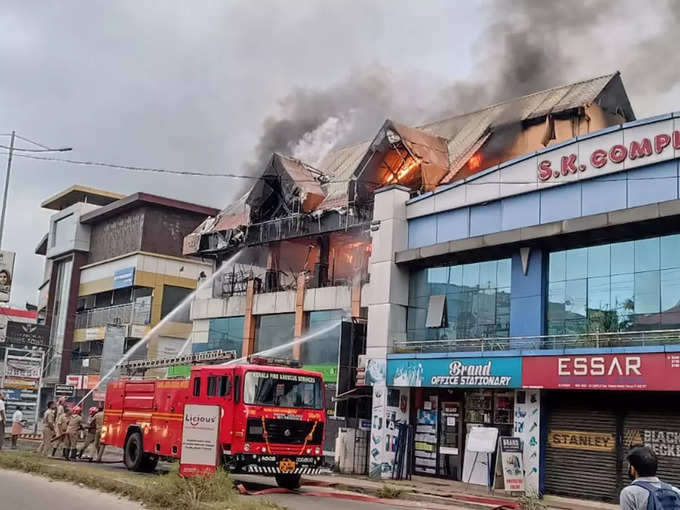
(21, 491)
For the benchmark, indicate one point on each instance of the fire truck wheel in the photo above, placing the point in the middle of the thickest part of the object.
(149, 463)
(288, 481)
(134, 452)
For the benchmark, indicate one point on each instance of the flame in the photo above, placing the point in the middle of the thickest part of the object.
(406, 168)
(475, 161)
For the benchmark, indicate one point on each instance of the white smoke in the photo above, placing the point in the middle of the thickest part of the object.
(313, 146)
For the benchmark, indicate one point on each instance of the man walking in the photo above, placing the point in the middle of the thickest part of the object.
(48, 429)
(647, 491)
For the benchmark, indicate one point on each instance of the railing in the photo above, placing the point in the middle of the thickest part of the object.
(574, 341)
(129, 313)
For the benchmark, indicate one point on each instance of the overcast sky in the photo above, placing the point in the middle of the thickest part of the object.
(205, 85)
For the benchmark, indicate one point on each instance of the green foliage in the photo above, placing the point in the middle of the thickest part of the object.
(531, 502)
(389, 492)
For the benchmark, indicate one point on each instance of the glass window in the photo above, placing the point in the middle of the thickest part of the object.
(623, 257)
(197, 387)
(598, 293)
(225, 333)
(273, 332)
(324, 348)
(647, 292)
(173, 298)
(212, 386)
(438, 275)
(282, 390)
(670, 251)
(577, 263)
(598, 261)
(225, 386)
(575, 298)
(670, 290)
(477, 301)
(647, 254)
(557, 270)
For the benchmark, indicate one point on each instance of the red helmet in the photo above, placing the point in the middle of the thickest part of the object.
(76, 410)
(92, 411)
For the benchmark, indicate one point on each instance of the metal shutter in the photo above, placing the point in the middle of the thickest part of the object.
(663, 436)
(581, 473)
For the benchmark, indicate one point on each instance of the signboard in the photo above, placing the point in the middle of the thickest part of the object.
(82, 382)
(650, 372)
(64, 390)
(509, 465)
(370, 371)
(329, 372)
(664, 443)
(582, 440)
(200, 430)
(456, 373)
(21, 379)
(31, 335)
(477, 466)
(124, 278)
(6, 274)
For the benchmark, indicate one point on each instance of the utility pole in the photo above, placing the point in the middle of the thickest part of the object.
(4, 197)
(11, 149)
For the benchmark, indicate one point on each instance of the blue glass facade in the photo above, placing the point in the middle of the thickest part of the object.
(627, 286)
(225, 333)
(477, 300)
(323, 349)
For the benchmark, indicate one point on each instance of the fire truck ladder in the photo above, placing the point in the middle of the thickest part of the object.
(188, 359)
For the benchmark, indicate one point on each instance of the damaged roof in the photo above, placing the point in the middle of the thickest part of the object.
(442, 147)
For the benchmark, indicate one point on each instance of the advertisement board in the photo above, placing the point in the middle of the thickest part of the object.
(456, 372)
(64, 390)
(21, 380)
(30, 335)
(123, 278)
(509, 465)
(642, 372)
(6, 274)
(200, 429)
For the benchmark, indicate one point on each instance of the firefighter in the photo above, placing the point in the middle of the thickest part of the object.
(99, 420)
(48, 430)
(62, 440)
(75, 425)
(60, 406)
(90, 432)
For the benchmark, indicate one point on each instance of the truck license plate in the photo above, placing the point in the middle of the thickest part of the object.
(287, 465)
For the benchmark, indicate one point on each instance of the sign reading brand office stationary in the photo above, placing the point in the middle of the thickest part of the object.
(200, 431)
(650, 372)
(456, 373)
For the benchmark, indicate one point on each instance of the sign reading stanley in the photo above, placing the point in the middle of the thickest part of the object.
(199, 439)
(456, 373)
(653, 372)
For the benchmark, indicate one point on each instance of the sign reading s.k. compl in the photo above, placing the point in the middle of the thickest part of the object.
(651, 372)
(616, 154)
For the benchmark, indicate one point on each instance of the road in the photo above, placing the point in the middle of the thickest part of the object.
(22, 491)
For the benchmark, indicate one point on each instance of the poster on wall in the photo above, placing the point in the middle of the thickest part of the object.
(6, 274)
(527, 425)
(371, 371)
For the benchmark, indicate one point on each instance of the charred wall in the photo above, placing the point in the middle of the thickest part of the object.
(164, 229)
(116, 236)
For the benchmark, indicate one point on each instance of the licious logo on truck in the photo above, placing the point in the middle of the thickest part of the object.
(196, 419)
(463, 372)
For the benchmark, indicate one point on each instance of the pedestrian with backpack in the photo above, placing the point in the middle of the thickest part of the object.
(647, 492)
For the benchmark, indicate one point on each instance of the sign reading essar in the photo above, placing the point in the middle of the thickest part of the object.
(651, 372)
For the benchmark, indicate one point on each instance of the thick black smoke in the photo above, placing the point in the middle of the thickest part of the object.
(529, 45)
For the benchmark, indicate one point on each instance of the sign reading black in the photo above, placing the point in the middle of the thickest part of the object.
(35, 335)
(64, 390)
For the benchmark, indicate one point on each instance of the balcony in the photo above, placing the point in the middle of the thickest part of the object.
(129, 313)
(546, 342)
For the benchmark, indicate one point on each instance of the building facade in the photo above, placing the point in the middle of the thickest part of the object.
(538, 297)
(114, 269)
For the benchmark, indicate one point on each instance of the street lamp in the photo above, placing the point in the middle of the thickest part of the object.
(11, 149)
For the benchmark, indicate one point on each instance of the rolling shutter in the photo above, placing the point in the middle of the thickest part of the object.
(581, 457)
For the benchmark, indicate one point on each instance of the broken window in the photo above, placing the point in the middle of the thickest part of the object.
(435, 311)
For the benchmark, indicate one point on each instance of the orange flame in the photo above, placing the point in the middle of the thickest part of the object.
(403, 171)
(475, 161)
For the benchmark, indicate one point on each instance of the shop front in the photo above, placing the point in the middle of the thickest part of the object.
(597, 407)
(450, 396)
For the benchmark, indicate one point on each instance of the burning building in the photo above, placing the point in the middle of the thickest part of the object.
(300, 239)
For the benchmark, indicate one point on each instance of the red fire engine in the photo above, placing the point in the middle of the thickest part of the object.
(272, 414)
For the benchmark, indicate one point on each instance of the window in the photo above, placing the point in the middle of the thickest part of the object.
(325, 347)
(282, 390)
(197, 387)
(461, 301)
(225, 387)
(64, 230)
(225, 333)
(172, 298)
(237, 389)
(274, 331)
(212, 386)
(633, 285)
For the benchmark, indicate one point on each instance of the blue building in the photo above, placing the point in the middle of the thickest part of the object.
(540, 297)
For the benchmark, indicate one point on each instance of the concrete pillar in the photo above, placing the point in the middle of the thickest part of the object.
(300, 316)
(321, 267)
(249, 321)
(528, 296)
(387, 295)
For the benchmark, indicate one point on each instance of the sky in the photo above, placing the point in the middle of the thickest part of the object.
(216, 86)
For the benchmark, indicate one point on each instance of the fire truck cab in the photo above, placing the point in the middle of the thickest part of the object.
(272, 417)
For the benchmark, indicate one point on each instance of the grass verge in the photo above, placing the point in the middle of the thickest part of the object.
(389, 492)
(157, 491)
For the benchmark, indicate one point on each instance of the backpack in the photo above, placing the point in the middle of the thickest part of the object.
(661, 498)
